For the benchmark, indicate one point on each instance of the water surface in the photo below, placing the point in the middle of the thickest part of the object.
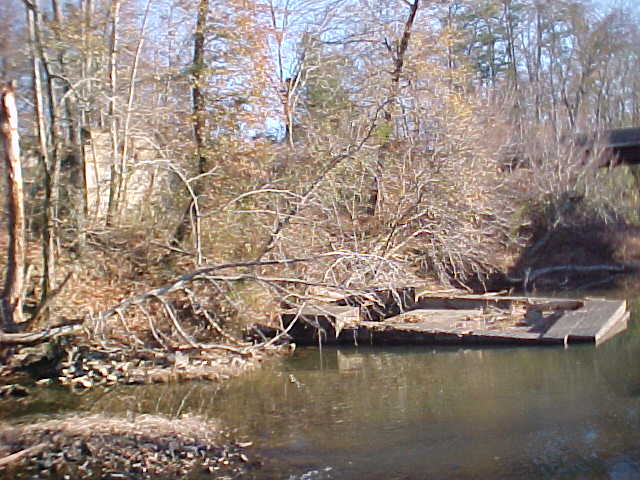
(417, 413)
(422, 413)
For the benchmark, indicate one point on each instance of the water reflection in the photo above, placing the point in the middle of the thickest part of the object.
(416, 413)
(449, 413)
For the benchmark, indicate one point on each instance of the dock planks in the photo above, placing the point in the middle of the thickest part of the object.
(592, 323)
(473, 319)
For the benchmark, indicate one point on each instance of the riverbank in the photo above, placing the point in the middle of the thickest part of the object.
(187, 330)
(88, 446)
(141, 447)
(574, 258)
(179, 328)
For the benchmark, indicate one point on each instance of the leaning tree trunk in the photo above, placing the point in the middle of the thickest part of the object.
(12, 295)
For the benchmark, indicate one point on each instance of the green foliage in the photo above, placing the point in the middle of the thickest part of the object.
(384, 132)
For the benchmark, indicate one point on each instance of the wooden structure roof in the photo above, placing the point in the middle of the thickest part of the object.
(620, 146)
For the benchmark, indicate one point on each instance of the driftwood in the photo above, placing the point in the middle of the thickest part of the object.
(15, 457)
(535, 274)
(41, 336)
(209, 273)
(181, 338)
(181, 283)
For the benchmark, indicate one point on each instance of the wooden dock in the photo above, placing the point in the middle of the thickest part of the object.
(399, 318)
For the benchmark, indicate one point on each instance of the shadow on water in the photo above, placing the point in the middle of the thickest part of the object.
(418, 413)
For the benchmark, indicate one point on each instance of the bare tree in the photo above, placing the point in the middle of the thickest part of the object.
(113, 80)
(45, 93)
(199, 114)
(13, 287)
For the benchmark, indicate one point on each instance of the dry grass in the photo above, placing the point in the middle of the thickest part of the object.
(142, 447)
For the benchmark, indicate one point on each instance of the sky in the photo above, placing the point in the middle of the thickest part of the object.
(613, 3)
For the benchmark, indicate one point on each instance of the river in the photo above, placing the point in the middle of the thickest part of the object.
(419, 413)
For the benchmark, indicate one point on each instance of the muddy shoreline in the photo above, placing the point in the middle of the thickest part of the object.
(96, 446)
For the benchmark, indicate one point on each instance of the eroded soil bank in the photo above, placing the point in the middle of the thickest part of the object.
(574, 258)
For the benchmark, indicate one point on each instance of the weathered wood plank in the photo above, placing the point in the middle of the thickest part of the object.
(492, 301)
(586, 323)
(435, 318)
(616, 328)
(521, 320)
(408, 334)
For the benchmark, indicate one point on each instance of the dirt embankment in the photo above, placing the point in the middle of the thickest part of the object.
(577, 258)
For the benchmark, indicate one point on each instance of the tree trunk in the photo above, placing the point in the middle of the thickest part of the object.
(113, 81)
(37, 91)
(50, 148)
(87, 14)
(12, 295)
(199, 116)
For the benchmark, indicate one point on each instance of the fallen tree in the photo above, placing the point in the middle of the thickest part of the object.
(179, 331)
